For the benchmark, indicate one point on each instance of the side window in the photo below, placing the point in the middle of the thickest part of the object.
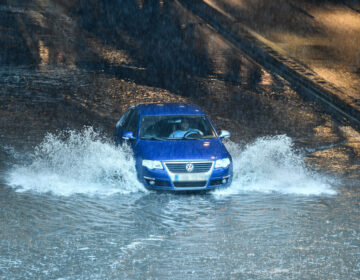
(132, 125)
(125, 118)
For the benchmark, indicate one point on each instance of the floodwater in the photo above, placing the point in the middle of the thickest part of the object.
(70, 204)
(72, 209)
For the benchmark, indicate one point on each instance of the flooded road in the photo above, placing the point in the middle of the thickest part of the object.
(72, 209)
(70, 204)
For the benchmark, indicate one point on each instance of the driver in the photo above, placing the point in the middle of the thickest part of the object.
(184, 128)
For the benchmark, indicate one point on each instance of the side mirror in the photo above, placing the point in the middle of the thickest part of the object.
(224, 134)
(128, 136)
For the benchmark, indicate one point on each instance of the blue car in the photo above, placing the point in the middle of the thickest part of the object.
(176, 147)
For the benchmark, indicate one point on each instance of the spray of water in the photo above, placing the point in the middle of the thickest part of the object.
(272, 164)
(84, 162)
(77, 162)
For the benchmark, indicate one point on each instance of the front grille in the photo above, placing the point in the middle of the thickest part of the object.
(180, 167)
(190, 184)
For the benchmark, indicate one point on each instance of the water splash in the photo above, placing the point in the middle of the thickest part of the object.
(84, 162)
(77, 162)
(271, 164)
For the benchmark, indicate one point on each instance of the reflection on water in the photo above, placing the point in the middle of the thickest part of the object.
(352, 139)
(43, 53)
(168, 236)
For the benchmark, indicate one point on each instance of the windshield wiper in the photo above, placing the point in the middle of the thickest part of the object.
(154, 138)
(190, 138)
(204, 137)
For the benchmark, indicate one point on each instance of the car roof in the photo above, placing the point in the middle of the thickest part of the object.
(157, 109)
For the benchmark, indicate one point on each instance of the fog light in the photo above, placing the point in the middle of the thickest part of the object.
(224, 181)
(152, 182)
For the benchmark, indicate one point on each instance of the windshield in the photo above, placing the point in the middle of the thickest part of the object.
(176, 127)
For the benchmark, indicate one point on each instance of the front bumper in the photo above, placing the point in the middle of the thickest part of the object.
(164, 179)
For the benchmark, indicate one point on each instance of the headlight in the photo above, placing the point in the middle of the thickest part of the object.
(152, 164)
(222, 163)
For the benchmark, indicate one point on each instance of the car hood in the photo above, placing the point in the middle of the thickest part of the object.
(210, 149)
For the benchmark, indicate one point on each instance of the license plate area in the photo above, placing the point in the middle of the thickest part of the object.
(189, 177)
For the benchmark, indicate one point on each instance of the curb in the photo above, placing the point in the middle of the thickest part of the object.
(304, 80)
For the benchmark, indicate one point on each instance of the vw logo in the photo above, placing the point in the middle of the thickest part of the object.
(189, 167)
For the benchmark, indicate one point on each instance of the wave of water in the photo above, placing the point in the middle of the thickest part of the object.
(272, 164)
(77, 162)
(84, 162)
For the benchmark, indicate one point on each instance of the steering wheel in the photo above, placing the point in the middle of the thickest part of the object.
(193, 131)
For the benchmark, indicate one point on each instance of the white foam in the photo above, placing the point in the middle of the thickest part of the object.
(271, 164)
(142, 242)
(77, 162)
(84, 162)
